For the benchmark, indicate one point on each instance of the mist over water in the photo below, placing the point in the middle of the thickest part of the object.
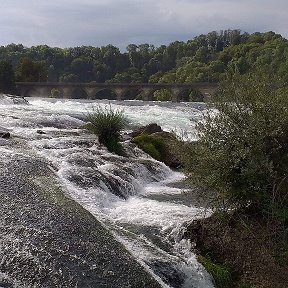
(133, 197)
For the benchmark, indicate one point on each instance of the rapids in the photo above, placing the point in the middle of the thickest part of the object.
(136, 198)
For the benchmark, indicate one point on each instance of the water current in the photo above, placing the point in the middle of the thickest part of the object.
(137, 198)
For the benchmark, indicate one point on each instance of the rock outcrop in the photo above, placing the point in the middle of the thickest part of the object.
(48, 240)
(148, 129)
(158, 144)
(4, 133)
(7, 99)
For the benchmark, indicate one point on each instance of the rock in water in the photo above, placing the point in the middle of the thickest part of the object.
(4, 133)
(148, 129)
(7, 99)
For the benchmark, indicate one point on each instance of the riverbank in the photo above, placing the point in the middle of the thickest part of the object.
(249, 251)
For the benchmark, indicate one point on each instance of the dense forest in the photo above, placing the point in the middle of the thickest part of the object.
(205, 58)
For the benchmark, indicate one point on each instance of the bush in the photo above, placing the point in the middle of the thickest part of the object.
(55, 93)
(107, 124)
(163, 95)
(242, 152)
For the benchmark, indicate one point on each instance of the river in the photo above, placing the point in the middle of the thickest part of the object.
(137, 198)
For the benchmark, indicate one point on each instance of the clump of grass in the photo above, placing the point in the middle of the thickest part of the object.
(107, 124)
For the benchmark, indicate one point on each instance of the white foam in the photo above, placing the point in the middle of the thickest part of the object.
(146, 212)
(180, 118)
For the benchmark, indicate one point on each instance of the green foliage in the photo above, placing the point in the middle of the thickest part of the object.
(7, 77)
(31, 71)
(204, 58)
(242, 152)
(244, 283)
(150, 149)
(162, 95)
(196, 96)
(69, 78)
(55, 93)
(107, 125)
(220, 273)
(153, 146)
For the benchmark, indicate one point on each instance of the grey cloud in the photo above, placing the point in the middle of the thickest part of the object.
(120, 22)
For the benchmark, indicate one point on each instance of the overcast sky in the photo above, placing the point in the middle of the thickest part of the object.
(69, 23)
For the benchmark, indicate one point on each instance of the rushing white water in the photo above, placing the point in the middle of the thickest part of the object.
(133, 197)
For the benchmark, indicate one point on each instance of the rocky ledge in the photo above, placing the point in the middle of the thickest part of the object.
(48, 240)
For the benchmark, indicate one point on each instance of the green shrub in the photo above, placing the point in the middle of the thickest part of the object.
(107, 124)
(55, 93)
(153, 146)
(163, 95)
(242, 152)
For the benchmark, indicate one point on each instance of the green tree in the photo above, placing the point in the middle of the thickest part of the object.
(242, 152)
(69, 78)
(163, 95)
(7, 77)
(31, 71)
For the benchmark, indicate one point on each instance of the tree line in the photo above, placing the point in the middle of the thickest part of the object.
(205, 58)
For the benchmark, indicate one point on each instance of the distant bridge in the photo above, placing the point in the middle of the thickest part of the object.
(90, 90)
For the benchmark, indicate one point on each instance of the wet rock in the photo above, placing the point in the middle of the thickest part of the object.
(148, 129)
(162, 146)
(49, 240)
(8, 99)
(169, 274)
(4, 133)
(19, 100)
(171, 143)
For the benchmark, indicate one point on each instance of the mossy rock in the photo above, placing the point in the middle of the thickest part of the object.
(223, 275)
(220, 273)
(160, 146)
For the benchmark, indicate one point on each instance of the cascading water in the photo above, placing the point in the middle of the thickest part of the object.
(134, 197)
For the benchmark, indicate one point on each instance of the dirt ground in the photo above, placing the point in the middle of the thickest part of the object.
(252, 246)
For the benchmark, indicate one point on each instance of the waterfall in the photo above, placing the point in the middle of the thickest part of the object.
(134, 197)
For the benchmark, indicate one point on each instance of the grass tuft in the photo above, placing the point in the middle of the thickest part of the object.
(107, 124)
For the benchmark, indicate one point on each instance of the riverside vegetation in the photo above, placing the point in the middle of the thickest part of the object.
(205, 58)
(241, 162)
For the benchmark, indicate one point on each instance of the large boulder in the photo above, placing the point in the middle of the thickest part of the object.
(148, 129)
(160, 145)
